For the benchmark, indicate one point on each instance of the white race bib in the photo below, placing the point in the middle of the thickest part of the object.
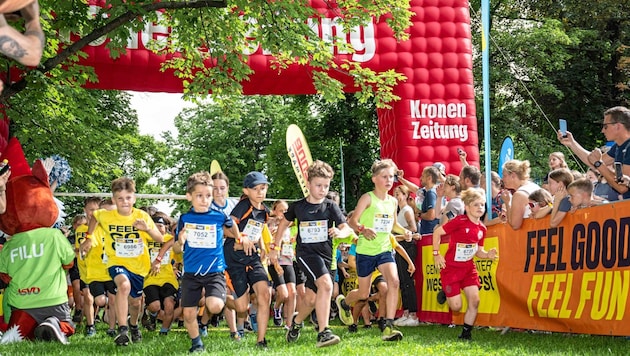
(465, 252)
(314, 231)
(383, 223)
(129, 247)
(201, 235)
(165, 260)
(287, 250)
(253, 230)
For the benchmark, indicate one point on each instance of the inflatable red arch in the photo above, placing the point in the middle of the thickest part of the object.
(436, 113)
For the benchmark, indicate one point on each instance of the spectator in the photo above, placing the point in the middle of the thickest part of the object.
(540, 203)
(559, 180)
(616, 128)
(497, 214)
(516, 178)
(556, 160)
(450, 190)
(581, 194)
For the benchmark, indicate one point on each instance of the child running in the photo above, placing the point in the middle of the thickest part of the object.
(319, 220)
(457, 269)
(200, 234)
(375, 218)
(127, 233)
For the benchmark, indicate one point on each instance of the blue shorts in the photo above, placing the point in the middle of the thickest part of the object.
(366, 264)
(136, 281)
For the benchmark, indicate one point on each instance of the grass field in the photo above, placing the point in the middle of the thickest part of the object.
(422, 340)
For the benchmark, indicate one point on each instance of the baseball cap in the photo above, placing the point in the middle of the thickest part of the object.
(252, 179)
(441, 167)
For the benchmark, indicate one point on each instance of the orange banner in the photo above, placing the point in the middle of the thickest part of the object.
(573, 278)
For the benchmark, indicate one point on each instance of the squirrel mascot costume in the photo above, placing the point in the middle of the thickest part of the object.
(33, 262)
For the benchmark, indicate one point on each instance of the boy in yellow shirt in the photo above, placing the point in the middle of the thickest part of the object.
(127, 234)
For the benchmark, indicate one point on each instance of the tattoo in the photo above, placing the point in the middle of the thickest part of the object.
(39, 34)
(11, 47)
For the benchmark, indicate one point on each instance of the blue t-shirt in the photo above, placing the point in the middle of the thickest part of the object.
(565, 205)
(203, 249)
(430, 198)
(619, 154)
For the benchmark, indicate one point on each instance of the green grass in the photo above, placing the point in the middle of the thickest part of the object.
(422, 340)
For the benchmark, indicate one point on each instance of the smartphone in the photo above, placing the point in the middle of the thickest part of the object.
(395, 177)
(460, 152)
(4, 167)
(563, 127)
(450, 215)
(619, 171)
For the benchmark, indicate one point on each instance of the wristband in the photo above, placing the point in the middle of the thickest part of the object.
(436, 252)
(158, 258)
(361, 228)
(273, 246)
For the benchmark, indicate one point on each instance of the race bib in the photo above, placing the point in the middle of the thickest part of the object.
(165, 260)
(465, 252)
(383, 223)
(287, 250)
(129, 247)
(253, 230)
(104, 258)
(314, 231)
(201, 235)
(286, 238)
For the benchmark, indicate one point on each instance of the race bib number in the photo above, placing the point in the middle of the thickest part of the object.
(383, 223)
(287, 250)
(253, 230)
(129, 247)
(465, 252)
(314, 231)
(165, 260)
(201, 235)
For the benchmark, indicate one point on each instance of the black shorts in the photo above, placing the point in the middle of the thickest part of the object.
(300, 277)
(313, 266)
(82, 285)
(287, 277)
(244, 277)
(193, 286)
(73, 272)
(375, 282)
(99, 288)
(159, 293)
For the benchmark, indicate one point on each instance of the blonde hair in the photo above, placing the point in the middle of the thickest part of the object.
(520, 168)
(199, 178)
(380, 165)
(560, 156)
(471, 195)
(123, 183)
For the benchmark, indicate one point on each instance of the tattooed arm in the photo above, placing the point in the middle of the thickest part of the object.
(26, 48)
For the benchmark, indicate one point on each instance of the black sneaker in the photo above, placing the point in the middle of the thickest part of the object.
(78, 316)
(353, 328)
(196, 348)
(122, 339)
(294, 333)
(367, 326)
(441, 297)
(50, 330)
(135, 334)
(262, 344)
(327, 338)
(163, 333)
(214, 320)
(111, 332)
(465, 336)
(90, 331)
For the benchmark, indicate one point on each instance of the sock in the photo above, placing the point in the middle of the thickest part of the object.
(389, 322)
(90, 326)
(467, 329)
(344, 305)
(133, 327)
(197, 341)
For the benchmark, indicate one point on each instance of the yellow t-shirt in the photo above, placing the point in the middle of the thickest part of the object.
(80, 234)
(96, 259)
(166, 274)
(125, 245)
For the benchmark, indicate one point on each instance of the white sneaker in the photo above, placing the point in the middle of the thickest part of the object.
(400, 321)
(411, 322)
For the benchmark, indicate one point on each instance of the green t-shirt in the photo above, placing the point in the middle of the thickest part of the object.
(34, 260)
(380, 217)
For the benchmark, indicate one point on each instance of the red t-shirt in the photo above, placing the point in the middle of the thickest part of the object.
(466, 238)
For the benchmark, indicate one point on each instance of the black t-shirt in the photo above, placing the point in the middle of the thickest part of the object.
(315, 220)
(242, 213)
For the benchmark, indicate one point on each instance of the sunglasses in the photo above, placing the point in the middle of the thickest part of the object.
(533, 205)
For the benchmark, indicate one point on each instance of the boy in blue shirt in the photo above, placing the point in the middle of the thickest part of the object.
(199, 235)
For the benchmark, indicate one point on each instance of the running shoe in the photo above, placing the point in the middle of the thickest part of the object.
(345, 315)
(327, 338)
(391, 334)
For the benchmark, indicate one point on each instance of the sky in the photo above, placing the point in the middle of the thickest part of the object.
(156, 114)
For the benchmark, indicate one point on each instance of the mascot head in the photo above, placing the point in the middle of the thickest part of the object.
(30, 202)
